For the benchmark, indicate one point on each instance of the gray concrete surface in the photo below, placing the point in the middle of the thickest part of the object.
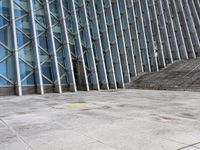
(106, 120)
(183, 75)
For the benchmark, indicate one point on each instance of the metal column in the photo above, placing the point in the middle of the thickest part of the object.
(105, 43)
(18, 78)
(197, 4)
(120, 40)
(195, 16)
(191, 27)
(57, 81)
(156, 34)
(69, 64)
(171, 31)
(36, 49)
(178, 30)
(142, 36)
(134, 36)
(86, 44)
(185, 30)
(149, 35)
(113, 43)
(164, 32)
(75, 45)
(96, 42)
(127, 37)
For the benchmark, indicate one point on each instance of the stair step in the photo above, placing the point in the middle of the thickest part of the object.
(182, 75)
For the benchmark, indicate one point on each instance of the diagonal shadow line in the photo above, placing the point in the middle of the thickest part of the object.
(191, 145)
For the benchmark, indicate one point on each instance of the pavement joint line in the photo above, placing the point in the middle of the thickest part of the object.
(179, 142)
(191, 145)
(97, 140)
(78, 132)
(87, 143)
(20, 138)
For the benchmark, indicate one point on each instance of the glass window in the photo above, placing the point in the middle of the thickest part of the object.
(21, 39)
(42, 41)
(46, 70)
(19, 11)
(3, 21)
(27, 54)
(7, 70)
(4, 8)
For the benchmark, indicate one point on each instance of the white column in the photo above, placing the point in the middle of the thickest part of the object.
(15, 47)
(52, 46)
(36, 50)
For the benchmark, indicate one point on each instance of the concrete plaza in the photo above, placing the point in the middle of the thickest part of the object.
(106, 120)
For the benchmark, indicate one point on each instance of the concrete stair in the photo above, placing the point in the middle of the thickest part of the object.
(182, 75)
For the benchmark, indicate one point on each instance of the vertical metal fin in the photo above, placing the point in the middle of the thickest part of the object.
(36, 51)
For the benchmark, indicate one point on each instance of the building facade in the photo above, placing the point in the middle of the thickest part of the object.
(69, 45)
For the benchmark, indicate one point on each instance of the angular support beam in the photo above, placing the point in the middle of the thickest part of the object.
(105, 43)
(191, 27)
(156, 34)
(178, 31)
(87, 46)
(185, 30)
(68, 59)
(53, 48)
(96, 42)
(120, 40)
(127, 37)
(113, 43)
(164, 32)
(171, 31)
(197, 4)
(134, 36)
(196, 19)
(142, 36)
(149, 35)
(74, 42)
(79, 51)
(36, 51)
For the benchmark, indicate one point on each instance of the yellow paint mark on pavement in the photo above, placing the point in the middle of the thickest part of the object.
(78, 105)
